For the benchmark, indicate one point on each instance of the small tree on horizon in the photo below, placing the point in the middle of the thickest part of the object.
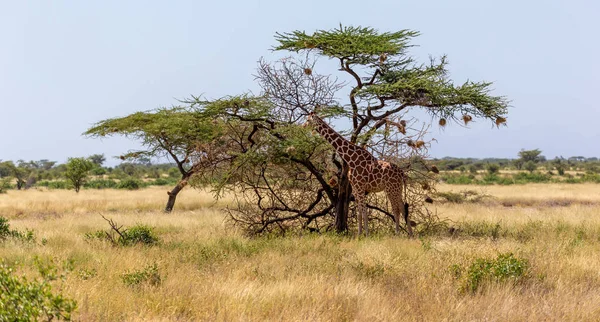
(77, 170)
(530, 166)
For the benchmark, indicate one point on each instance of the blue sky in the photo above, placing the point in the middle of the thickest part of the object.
(65, 65)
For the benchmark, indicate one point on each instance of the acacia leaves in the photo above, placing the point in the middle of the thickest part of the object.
(392, 81)
(359, 45)
(175, 127)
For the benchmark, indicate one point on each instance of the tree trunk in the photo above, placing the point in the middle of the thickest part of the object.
(343, 202)
(173, 193)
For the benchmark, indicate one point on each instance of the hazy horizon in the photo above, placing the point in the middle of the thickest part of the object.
(68, 65)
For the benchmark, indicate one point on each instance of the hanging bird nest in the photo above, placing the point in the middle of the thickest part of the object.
(411, 144)
(382, 58)
(308, 71)
(467, 118)
(442, 122)
(419, 144)
(309, 45)
(500, 120)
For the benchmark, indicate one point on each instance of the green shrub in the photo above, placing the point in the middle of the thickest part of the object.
(98, 171)
(457, 179)
(23, 300)
(130, 184)
(138, 234)
(6, 232)
(493, 168)
(5, 185)
(504, 267)
(149, 275)
(530, 166)
(523, 177)
(163, 182)
(101, 184)
(60, 184)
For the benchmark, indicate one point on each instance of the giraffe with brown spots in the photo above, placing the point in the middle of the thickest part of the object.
(367, 174)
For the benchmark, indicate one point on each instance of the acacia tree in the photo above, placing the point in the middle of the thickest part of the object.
(175, 133)
(77, 170)
(385, 82)
(21, 171)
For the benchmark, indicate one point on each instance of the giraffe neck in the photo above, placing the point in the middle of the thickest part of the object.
(349, 152)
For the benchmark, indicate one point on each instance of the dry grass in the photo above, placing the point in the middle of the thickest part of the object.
(210, 272)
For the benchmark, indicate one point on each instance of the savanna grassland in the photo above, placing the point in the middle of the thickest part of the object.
(529, 253)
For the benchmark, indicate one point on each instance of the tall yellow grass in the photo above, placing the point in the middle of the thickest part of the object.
(211, 272)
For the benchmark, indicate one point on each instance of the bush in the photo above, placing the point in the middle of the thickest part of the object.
(6, 232)
(460, 197)
(524, 177)
(130, 184)
(138, 234)
(98, 171)
(163, 182)
(493, 168)
(5, 185)
(149, 275)
(77, 171)
(530, 166)
(460, 179)
(54, 184)
(23, 300)
(505, 267)
(101, 184)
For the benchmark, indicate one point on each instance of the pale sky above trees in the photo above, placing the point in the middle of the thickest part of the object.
(65, 65)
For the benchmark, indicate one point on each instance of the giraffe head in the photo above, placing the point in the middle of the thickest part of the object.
(309, 119)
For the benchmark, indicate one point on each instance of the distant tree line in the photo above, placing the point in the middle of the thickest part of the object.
(530, 166)
(85, 172)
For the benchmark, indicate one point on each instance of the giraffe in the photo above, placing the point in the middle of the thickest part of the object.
(367, 174)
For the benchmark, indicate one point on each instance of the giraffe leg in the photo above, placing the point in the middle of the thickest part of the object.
(366, 218)
(396, 211)
(395, 198)
(408, 225)
(359, 196)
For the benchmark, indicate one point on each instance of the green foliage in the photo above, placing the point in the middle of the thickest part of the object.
(101, 184)
(358, 44)
(136, 235)
(7, 233)
(530, 166)
(163, 182)
(139, 234)
(148, 275)
(97, 159)
(86, 274)
(77, 171)
(130, 184)
(560, 165)
(23, 300)
(4, 185)
(493, 168)
(174, 131)
(457, 179)
(98, 171)
(399, 78)
(531, 155)
(20, 172)
(504, 267)
(460, 197)
(55, 184)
